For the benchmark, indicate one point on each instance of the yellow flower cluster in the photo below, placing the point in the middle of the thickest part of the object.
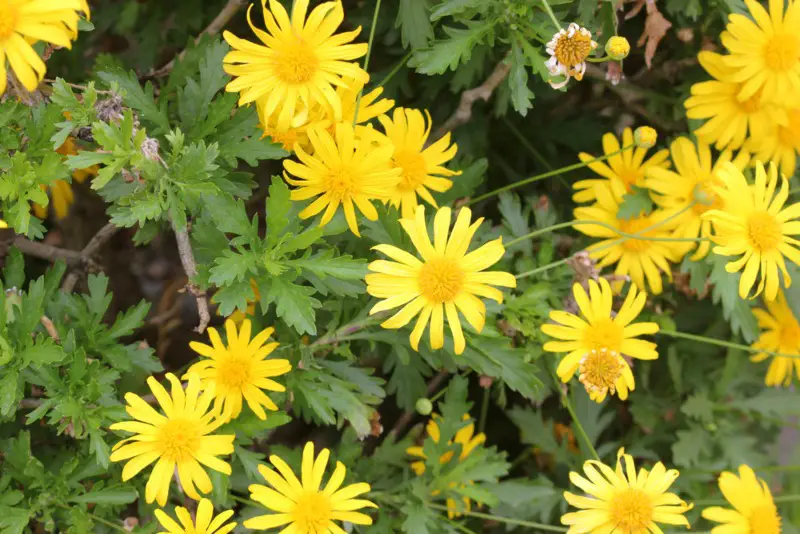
(753, 101)
(23, 23)
(182, 440)
(309, 96)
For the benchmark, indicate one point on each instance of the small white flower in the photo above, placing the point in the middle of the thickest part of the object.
(568, 51)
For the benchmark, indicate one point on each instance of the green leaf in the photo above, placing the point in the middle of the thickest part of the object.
(691, 445)
(324, 264)
(9, 392)
(43, 353)
(111, 495)
(521, 95)
(14, 520)
(294, 304)
(86, 159)
(418, 518)
(635, 204)
(698, 406)
(416, 30)
(230, 267)
(453, 7)
(698, 273)
(278, 207)
(737, 311)
(770, 402)
(142, 100)
(495, 357)
(450, 53)
(128, 321)
(250, 461)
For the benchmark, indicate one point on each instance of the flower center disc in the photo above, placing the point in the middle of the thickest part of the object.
(8, 19)
(296, 64)
(782, 52)
(440, 280)
(414, 169)
(340, 184)
(764, 231)
(572, 51)
(765, 520)
(312, 513)
(600, 370)
(178, 439)
(233, 372)
(633, 226)
(631, 510)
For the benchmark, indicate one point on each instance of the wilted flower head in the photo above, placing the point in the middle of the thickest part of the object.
(568, 51)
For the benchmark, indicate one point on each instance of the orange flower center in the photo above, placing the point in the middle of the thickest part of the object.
(765, 520)
(415, 170)
(603, 335)
(600, 370)
(764, 231)
(296, 64)
(441, 280)
(634, 226)
(312, 512)
(789, 135)
(340, 184)
(751, 105)
(782, 52)
(631, 510)
(234, 371)
(286, 139)
(630, 177)
(178, 439)
(8, 19)
(572, 51)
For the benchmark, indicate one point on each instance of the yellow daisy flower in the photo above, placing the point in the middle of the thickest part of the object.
(3, 224)
(596, 341)
(370, 107)
(568, 51)
(422, 166)
(181, 438)
(626, 169)
(690, 187)
(301, 504)
(622, 501)
(730, 120)
(24, 22)
(641, 259)
(445, 280)
(754, 223)
(765, 52)
(468, 441)
(239, 370)
(61, 194)
(346, 169)
(205, 523)
(301, 63)
(754, 510)
(780, 332)
(780, 143)
(297, 131)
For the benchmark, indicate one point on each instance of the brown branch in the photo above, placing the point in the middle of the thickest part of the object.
(463, 114)
(219, 22)
(190, 268)
(47, 252)
(99, 239)
(404, 419)
(50, 327)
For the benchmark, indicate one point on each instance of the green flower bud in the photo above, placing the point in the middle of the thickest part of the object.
(618, 48)
(424, 406)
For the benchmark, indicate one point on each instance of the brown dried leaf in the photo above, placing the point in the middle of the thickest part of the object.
(637, 6)
(655, 28)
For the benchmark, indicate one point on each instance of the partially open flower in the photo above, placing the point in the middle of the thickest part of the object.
(568, 51)
(645, 137)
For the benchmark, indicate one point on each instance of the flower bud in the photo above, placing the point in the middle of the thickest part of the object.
(618, 48)
(424, 406)
(645, 137)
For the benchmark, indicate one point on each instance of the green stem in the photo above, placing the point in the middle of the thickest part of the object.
(549, 11)
(543, 268)
(245, 501)
(568, 405)
(786, 498)
(638, 235)
(396, 68)
(484, 409)
(501, 519)
(599, 59)
(369, 52)
(720, 343)
(547, 174)
(118, 528)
